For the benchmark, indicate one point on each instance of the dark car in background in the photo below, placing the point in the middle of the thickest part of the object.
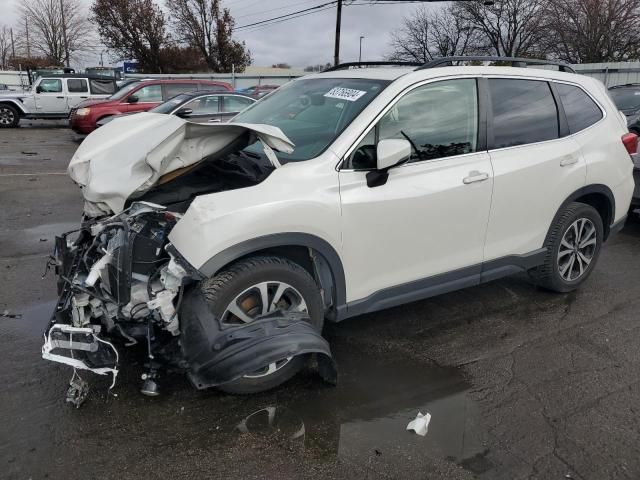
(137, 97)
(627, 99)
(199, 106)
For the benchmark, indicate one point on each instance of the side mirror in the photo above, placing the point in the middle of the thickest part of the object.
(132, 99)
(38, 89)
(184, 112)
(389, 154)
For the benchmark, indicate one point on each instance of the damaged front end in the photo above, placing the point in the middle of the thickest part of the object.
(121, 283)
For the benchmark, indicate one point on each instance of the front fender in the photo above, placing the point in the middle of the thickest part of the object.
(15, 103)
(217, 356)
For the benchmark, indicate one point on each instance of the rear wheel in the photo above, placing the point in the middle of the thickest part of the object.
(573, 247)
(9, 116)
(256, 286)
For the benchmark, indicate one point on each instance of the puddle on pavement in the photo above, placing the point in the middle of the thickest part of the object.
(364, 419)
(30, 320)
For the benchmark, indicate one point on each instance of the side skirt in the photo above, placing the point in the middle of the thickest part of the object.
(443, 283)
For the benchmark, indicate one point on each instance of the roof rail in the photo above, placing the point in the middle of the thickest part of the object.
(347, 66)
(515, 62)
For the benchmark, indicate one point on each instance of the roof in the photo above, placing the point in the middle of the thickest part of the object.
(76, 75)
(199, 93)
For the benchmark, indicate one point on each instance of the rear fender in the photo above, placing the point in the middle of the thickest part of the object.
(216, 356)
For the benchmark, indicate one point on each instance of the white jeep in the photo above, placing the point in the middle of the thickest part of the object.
(52, 97)
(225, 247)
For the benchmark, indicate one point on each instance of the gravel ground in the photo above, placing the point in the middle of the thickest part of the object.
(521, 383)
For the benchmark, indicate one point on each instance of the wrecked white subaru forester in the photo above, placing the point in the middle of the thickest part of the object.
(221, 249)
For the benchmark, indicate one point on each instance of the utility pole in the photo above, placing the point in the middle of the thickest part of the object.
(64, 34)
(336, 54)
(13, 45)
(26, 27)
(360, 55)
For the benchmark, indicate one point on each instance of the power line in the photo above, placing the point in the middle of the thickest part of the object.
(286, 15)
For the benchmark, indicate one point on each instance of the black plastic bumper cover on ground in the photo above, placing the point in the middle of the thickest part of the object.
(217, 356)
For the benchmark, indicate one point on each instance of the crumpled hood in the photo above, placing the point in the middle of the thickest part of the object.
(130, 155)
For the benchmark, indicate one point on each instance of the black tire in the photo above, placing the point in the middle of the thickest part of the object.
(548, 275)
(222, 289)
(9, 116)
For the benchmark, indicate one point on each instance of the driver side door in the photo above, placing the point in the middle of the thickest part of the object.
(423, 232)
(50, 97)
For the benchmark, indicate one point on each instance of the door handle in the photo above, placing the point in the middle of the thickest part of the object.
(215, 120)
(59, 97)
(84, 97)
(475, 177)
(568, 160)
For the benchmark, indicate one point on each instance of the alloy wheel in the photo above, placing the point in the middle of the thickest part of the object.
(259, 300)
(7, 117)
(577, 249)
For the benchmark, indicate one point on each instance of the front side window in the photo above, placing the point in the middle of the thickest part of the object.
(524, 111)
(208, 105)
(50, 85)
(235, 104)
(77, 85)
(313, 112)
(150, 93)
(439, 120)
(580, 109)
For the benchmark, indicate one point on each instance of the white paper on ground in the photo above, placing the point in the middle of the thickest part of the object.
(421, 424)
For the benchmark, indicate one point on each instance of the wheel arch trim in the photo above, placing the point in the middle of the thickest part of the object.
(14, 102)
(597, 189)
(297, 239)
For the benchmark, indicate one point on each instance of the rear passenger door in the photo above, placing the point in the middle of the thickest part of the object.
(536, 164)
(77, 91)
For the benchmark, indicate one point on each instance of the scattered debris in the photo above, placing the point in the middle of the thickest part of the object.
(6, 314)
(78, 390)
(421, 424)
(43, 239)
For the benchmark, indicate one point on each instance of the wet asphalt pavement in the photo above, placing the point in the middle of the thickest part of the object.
(520, 383)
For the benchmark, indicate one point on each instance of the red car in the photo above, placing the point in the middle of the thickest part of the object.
(136, 97)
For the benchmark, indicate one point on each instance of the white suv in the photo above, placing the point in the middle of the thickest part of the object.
(339, 194)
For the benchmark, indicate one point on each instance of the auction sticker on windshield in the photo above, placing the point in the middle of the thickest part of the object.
(348, 94)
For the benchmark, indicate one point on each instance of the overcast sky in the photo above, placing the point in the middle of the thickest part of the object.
(302, 41)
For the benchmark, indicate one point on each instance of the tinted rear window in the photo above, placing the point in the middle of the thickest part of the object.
(524, 111)
(173, 89)
(102, 87)
(581, 111)
(626, 98)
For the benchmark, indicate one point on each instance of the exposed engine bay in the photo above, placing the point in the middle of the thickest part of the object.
(121, 283)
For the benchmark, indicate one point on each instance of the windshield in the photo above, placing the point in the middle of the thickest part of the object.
(626, 98)
(312, 113)
(124, 91)
(169, 105)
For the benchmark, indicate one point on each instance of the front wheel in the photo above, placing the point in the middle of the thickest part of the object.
(9, 116)
(256, 286)
(573, 247)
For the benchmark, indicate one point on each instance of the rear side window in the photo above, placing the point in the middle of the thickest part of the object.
(173, 89)
(580, 109)
(102, 87)
(524, 111)
(77, 85)
(235, 104)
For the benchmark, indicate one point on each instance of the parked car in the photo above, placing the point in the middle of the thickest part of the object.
(136, 97)
(258, 91)
(199, 106)
(224, 247)
(627, 99)
(52, 97)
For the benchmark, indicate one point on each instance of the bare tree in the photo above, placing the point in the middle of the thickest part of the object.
(204, 25)
(428, 34)
(5, 47)
(508, 27)
(45, 22)
(591, 31)
(133, 29)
